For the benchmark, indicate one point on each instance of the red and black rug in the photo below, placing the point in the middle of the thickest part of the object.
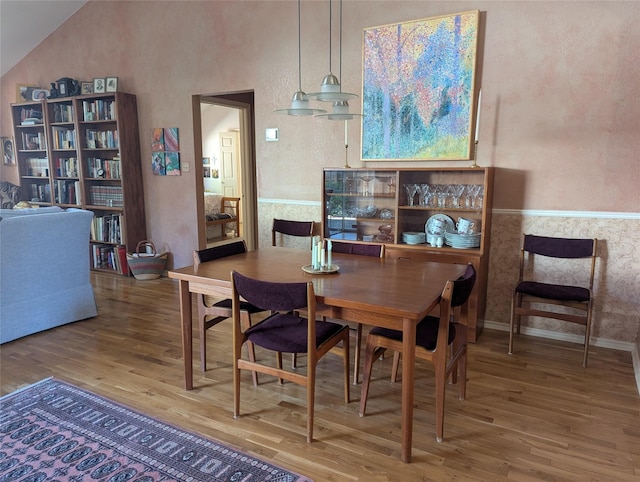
(53, 431)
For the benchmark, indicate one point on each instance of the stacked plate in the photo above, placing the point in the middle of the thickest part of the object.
(462, 241)
(410, 237)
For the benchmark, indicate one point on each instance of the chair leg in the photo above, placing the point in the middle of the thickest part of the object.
(515, 302)
(440, 380)
(395, 366)
(345, 362)
(356, 357)
(370, 356)
(202, 333)
(294, 360)
(311, 386)
(245, 320)
(462, 366)
(587, 335)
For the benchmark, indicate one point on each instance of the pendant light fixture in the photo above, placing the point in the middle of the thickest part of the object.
(300, 101)
(340, 110)
(331, 90)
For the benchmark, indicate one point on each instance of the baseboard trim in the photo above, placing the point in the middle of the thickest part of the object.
(552, 335)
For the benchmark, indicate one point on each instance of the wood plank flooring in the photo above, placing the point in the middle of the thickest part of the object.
(536, 415)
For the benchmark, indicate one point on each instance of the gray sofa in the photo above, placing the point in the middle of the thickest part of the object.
(44, 270)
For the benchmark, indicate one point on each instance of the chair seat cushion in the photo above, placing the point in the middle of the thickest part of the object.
(553, 292)
(287, 333)
(244, 306)
(426, 333)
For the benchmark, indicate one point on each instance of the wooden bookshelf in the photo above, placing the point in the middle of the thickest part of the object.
(84, 152)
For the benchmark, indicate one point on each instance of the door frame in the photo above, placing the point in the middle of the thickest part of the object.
(244, 102)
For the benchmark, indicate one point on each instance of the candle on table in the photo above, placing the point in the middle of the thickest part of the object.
(478, 115)
(329, 253)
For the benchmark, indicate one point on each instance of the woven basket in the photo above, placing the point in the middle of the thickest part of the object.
(146, 266)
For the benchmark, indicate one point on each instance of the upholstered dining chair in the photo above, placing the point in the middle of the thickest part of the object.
(284, 331)
(212, 312)
(358, 249)
(434, 336)
(302, 229)
(570, 301)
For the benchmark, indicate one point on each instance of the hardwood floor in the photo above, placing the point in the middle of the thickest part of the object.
(536, 415)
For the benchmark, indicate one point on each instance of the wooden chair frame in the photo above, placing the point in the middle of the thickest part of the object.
(314, 353)
(447, 358)
(230, 206)
(580, 249)
(287, 227)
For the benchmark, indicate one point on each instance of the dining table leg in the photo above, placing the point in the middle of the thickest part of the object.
(408, 370)
(187, 334)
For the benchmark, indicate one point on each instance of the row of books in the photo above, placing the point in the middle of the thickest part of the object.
(33, 141)
(102, 139)
(66, 167)
(63, 138)
(110, 196)
(39, 192)
(105, 168)
(37, 167)
(109, 257)
(99, 110)
(68, 192)
(108, 229)
(62, 113)
(30, 116)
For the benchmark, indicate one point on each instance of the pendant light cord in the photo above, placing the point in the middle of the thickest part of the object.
(330, 31)
(340, 65)
(299, 54)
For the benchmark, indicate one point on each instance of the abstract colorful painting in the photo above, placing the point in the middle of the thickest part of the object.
(157, 139)
(158, 164)
(172, 163)
(171, 142)
(418, 89)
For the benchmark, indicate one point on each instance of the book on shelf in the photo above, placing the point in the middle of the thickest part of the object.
(63, 138)
(33, 141)
(66, 167)
(105, 168)
(108, 229)
(63, 113)
(107, 139)
(107, 257)
(38, 167)
(31, 121)
(99, 109)
(110, 196)
(31, 114)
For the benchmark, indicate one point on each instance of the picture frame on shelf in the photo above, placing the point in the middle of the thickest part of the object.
(24, 92)
(87, 88)
(431, 117)
(207, 171)
(206, 161)
(111, 84)
(39, 94)
(99, 86)
(8, 151)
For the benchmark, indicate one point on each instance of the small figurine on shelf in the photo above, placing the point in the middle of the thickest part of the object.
(53, 93)
(76, 88)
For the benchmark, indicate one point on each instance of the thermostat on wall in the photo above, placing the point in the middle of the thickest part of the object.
(271, 134)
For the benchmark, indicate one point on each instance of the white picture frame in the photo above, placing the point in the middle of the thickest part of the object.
(99, 86)
(111, 84)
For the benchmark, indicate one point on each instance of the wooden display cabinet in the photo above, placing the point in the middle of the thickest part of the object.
(84, 152)
(373, 205)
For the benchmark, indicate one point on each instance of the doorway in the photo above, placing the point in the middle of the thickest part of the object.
(217, 156)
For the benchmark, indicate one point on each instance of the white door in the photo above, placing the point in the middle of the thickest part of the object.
(229, 164)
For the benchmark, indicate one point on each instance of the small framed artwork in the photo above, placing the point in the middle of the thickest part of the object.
(98, 86)
(111, 84)
(158, 164)
(171, 140)
(157, 139)
(206, 161)
(172, 162)
(87, 88)
(24, 92)
(39, 94)
(8, 153)
(207, 171)
(215, 173)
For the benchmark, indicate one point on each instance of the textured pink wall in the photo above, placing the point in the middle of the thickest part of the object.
(560, 109)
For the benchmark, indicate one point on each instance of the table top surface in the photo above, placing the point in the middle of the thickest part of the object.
(394, 287)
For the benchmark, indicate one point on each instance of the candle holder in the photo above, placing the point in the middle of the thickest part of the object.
(346, 157)
(475, 154)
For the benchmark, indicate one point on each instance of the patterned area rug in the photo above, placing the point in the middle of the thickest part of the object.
(54, 431)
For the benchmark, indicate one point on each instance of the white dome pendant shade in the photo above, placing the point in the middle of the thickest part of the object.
(300, 101)
(340, 110)
(331, 90)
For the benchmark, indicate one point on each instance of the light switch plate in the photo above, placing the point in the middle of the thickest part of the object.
(271, 134)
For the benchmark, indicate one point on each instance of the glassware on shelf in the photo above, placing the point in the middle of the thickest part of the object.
(367, 180)
(468, 195)
(456, 194)
(443, 194)
(479, 197)
(423, 194)
(474, 190)
(412, 190)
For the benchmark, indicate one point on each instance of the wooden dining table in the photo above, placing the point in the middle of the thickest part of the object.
(391, 293)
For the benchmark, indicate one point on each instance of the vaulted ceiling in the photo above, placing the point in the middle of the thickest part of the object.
(25, 24)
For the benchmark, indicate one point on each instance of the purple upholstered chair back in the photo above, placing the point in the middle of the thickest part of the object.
(271, 296)
(221, 251)
(558, 247)
(293, 228)
(463, 286)
(373, 250)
